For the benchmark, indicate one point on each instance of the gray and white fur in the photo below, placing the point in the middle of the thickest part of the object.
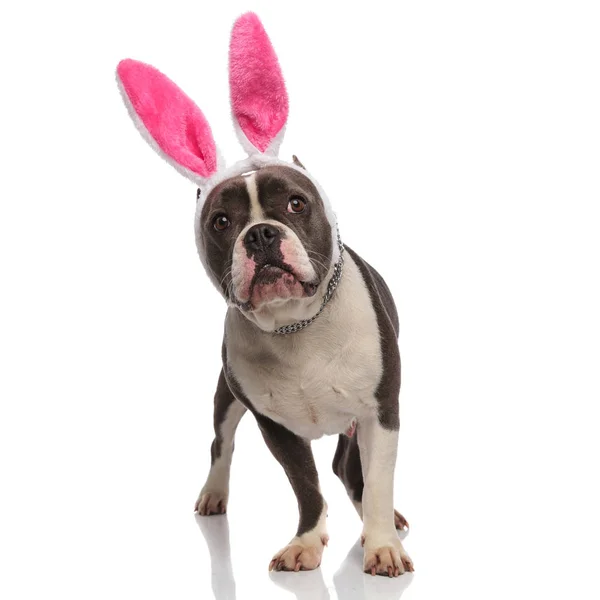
(267, 239)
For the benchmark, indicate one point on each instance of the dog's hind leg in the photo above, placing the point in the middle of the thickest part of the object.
(347, 466)
(227, 414)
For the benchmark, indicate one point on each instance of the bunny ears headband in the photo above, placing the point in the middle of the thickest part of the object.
(178, 130)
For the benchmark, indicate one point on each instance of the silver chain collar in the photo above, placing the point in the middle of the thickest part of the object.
(331, 286)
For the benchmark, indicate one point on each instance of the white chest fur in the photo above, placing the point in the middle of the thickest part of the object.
(316, 381)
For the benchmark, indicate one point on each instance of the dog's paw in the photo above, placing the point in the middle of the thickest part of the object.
(400, 522)
(386, 559)
(299, 555)
(211, 503)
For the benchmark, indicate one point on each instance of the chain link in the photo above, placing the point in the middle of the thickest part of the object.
(333, 283)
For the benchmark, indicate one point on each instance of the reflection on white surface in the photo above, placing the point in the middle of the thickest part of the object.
(306, 585)
(349, 582)
(216, 533)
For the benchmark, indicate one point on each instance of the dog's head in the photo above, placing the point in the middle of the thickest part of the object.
(265, 237)
(264, 229)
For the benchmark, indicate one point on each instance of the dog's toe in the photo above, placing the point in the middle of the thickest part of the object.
(211, 503)
(389, 559)
(297, 557)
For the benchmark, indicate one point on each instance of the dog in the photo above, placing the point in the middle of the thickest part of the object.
(310, 346)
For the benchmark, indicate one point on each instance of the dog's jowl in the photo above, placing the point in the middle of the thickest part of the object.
(310, 345)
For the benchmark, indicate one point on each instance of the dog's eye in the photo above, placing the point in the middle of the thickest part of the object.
(221, 223)
(296, 205)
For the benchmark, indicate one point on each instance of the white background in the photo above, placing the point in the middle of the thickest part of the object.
(459, 143)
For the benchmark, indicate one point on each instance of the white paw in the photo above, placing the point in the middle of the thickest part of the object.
(300, 554)
(385, 556)
(211, 502)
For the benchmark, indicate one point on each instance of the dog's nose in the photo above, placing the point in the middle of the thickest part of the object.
(260, 236)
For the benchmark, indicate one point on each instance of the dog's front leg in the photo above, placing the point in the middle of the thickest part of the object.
(227, 414)
(295, 455)
(383, 551)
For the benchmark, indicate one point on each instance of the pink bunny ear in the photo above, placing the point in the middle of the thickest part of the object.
(169, 121)
(258, 96)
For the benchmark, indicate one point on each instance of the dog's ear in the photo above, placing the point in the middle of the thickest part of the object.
(259, 99)
(297, 162)
(168, 120)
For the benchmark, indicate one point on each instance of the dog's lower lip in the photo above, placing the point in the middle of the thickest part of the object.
(310, 287)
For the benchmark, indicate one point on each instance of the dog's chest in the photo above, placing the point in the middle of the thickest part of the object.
(315, 383)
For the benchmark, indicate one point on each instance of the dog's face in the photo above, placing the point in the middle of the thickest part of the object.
(265, 238)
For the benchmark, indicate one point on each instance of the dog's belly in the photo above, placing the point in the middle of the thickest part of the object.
(309, 415)
(320, 396)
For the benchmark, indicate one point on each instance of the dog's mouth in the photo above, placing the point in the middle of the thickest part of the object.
(275, 280)
(269, 273)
